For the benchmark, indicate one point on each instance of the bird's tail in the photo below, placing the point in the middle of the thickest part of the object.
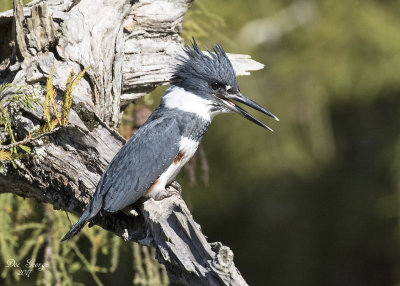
(91, 210)
(78, 226)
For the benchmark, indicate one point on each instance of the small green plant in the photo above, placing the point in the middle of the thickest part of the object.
(49, 99)
(13, 94)
(24, 237)
(10, 93)
(71, 83)
(61, 118)
(5, 155)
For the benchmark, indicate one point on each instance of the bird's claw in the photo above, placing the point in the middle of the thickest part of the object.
(176, 186)
(130, 211)
(173, 188)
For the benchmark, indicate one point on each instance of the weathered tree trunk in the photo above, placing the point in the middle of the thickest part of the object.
(130, 46)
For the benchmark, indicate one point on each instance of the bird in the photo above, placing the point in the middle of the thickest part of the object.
(202, 85)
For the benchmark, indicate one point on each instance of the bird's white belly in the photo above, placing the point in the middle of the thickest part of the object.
(186, 151)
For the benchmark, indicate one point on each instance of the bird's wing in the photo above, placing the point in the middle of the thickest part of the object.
(149, 152)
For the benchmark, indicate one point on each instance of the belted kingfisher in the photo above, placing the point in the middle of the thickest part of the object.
(202, 86)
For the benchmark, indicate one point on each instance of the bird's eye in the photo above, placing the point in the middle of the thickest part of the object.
(215, 85)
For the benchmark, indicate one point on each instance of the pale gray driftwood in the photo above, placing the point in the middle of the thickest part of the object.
(130, 46)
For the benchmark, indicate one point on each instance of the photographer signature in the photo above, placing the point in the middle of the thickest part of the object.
(29, 266)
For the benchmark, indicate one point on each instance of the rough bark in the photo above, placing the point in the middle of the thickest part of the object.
(130, 46)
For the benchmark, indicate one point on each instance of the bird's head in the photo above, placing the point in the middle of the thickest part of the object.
(211, 76)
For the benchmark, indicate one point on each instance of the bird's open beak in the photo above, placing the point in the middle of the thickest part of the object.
(239, 97)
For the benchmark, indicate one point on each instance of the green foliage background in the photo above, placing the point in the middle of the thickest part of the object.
(316, 202)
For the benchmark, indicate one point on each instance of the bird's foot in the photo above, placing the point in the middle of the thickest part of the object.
(175, 185)
(130, 211)
(173, 188)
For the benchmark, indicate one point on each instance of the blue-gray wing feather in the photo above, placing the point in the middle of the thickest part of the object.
(149, 152)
